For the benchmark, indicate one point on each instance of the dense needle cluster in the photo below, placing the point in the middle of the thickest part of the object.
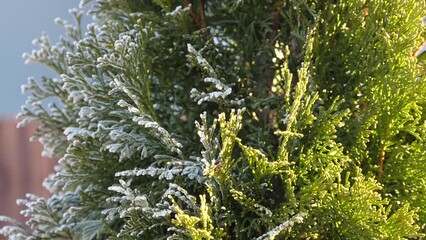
(248, 119)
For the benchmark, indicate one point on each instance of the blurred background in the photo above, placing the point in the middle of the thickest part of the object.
(22, 169)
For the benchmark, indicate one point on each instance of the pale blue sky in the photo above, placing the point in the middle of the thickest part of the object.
(20, 22)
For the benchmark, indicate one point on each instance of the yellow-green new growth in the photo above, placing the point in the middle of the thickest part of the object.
(196, 227)
(295, 108)
(260, 165)
(229, 131)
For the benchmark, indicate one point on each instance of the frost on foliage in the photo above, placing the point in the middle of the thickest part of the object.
(181, 194)
(210, 143)
(125, 48)
(159, 132)
(173, 168)
(220, 95)
(222, 90)
(72, 132)
(133, 165)
(73, 31)
(298, 218)
(128, 143)
(47, 218)
(15, 231)
(178, 10)
(35, 109)
(130, 203)
(55, 118)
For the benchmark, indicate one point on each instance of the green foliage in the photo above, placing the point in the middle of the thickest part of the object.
(232, 120)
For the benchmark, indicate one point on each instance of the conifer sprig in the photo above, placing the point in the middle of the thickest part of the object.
(211, 119)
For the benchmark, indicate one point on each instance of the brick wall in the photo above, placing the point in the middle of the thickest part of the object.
(22, 169)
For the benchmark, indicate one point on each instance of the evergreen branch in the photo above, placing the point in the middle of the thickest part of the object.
(299, 94)
(270, 235)
(133, 165)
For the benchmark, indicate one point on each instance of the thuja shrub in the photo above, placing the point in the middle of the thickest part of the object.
(243, 119)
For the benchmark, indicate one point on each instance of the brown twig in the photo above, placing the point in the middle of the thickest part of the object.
(293, 47)
(202, 19)
(186, 3)
(381, 163)
(275, 25)
(199, 21)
